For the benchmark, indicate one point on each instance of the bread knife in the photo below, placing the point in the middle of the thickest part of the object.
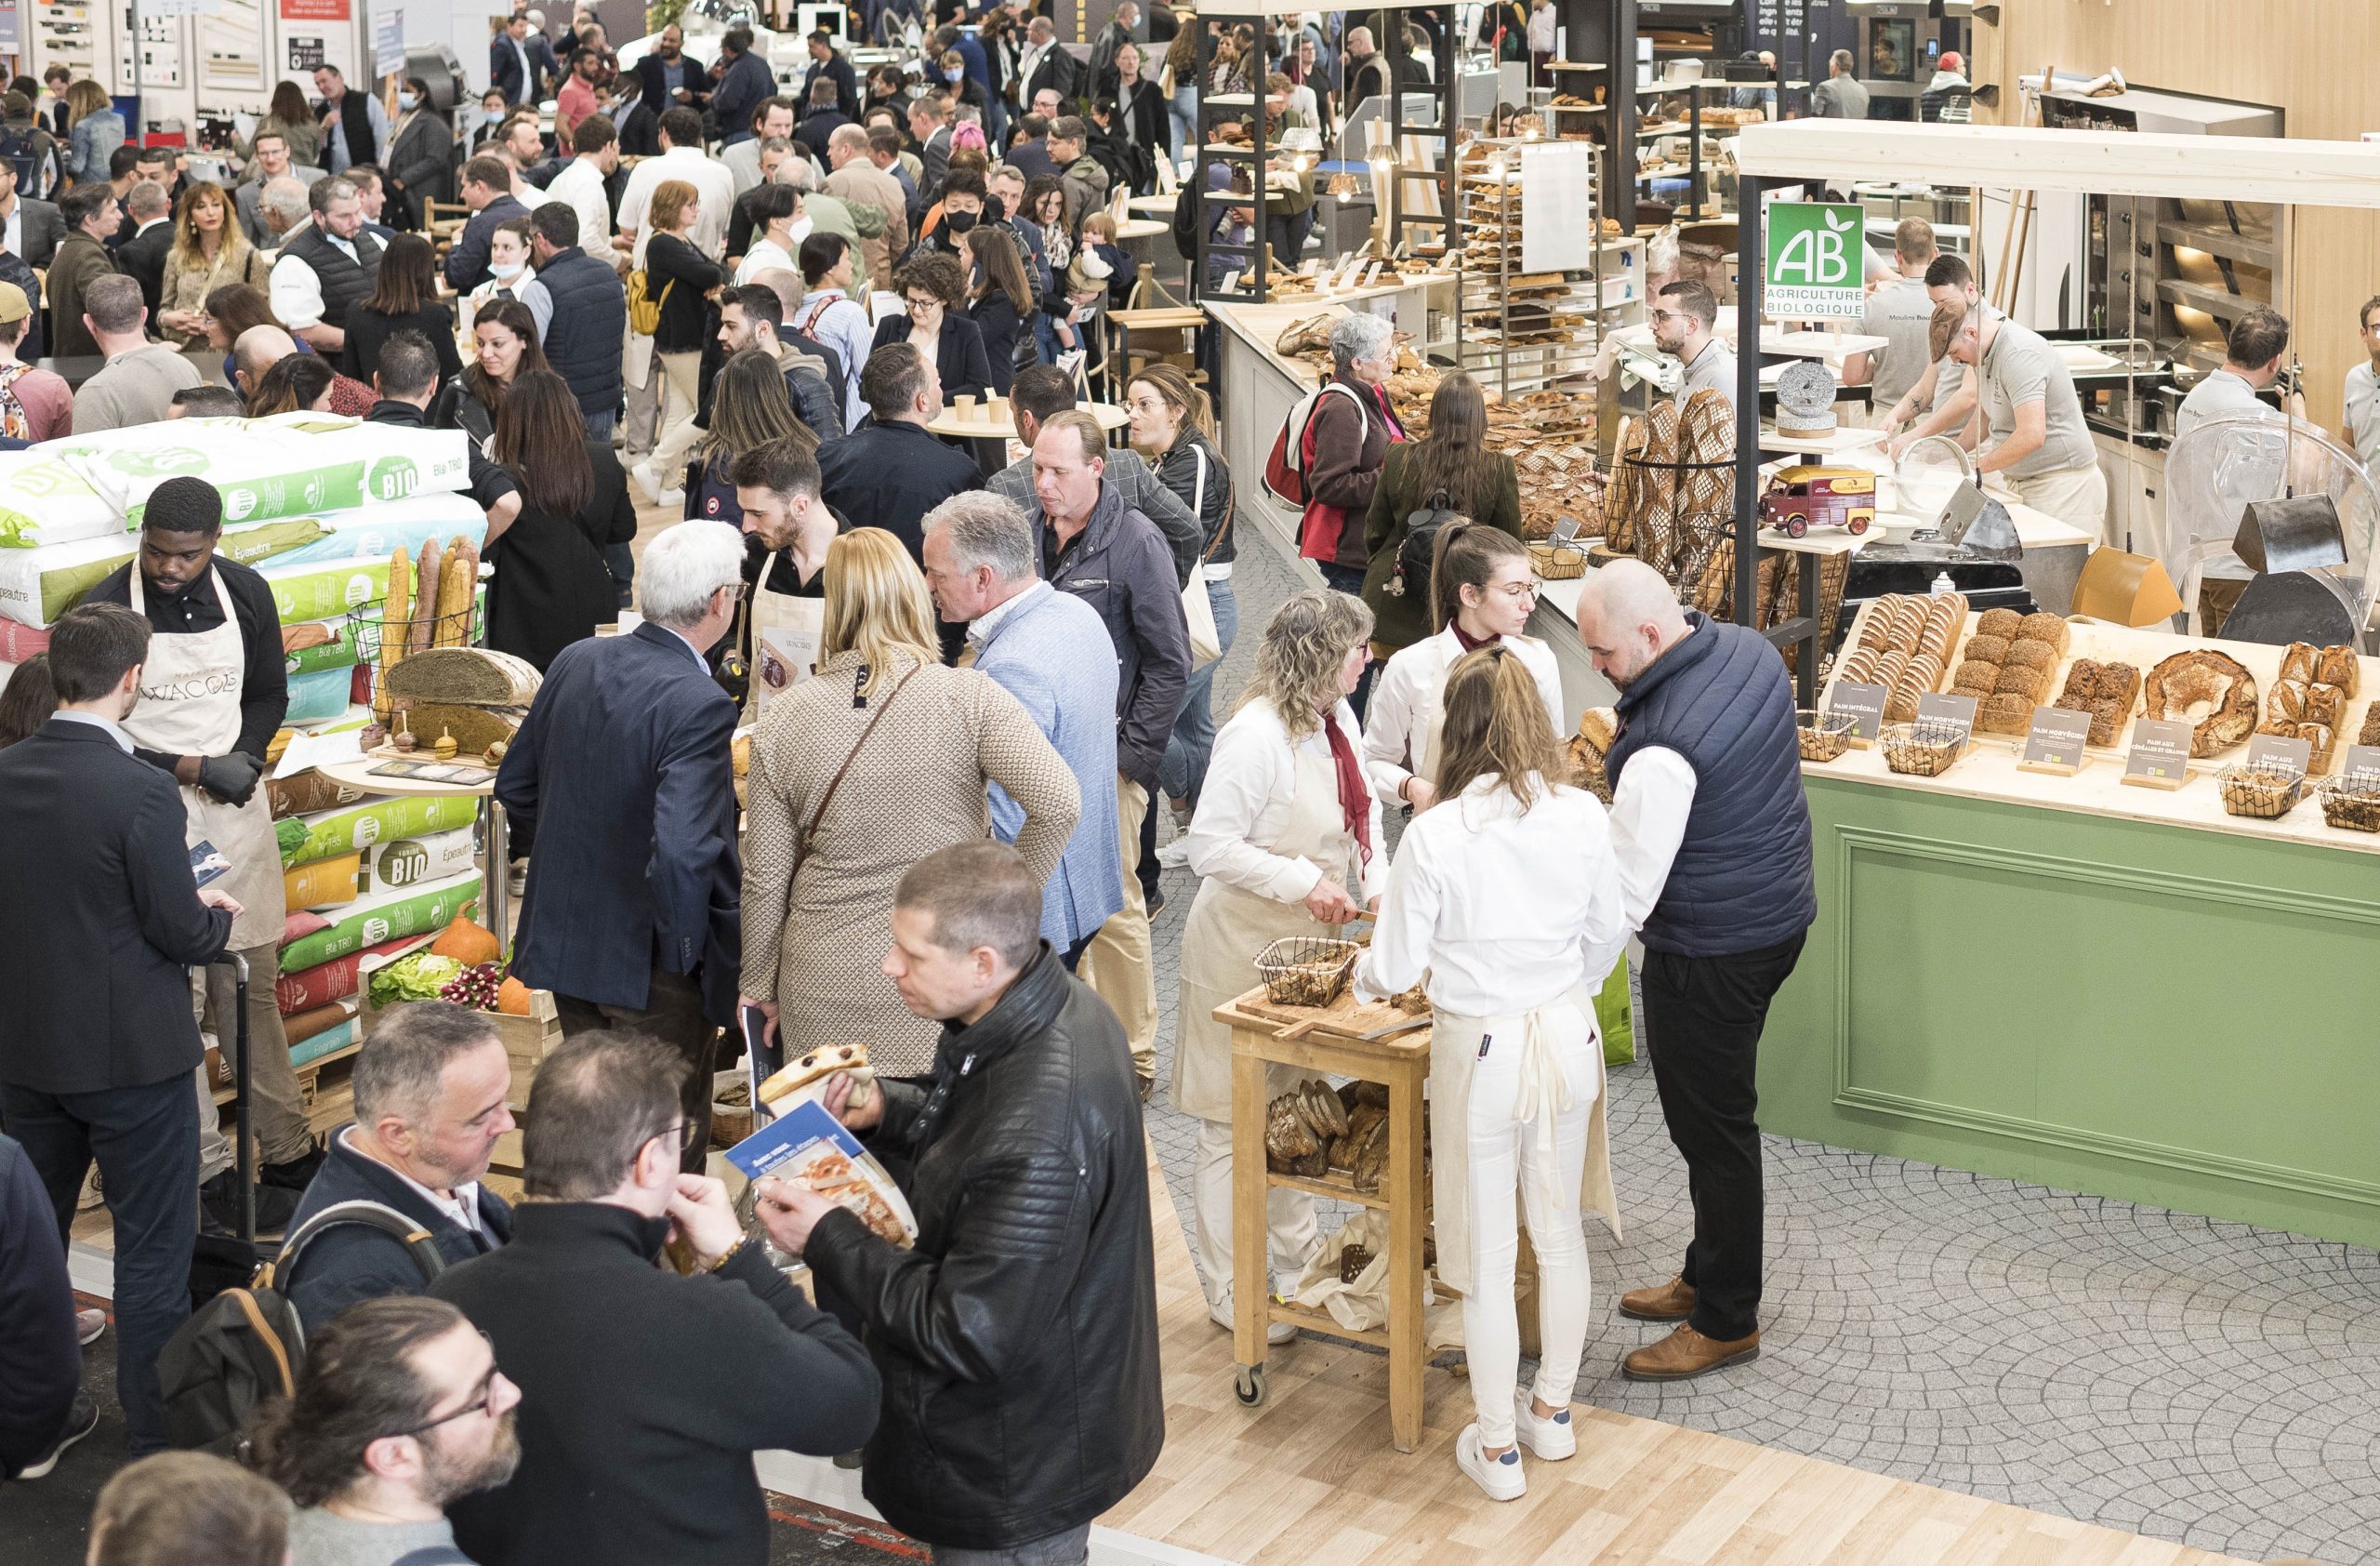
(1394, 1028)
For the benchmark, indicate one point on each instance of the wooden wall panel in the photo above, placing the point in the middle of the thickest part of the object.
(2310, 58)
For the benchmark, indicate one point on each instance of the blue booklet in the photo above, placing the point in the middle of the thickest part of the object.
(808, 1145)
(798, 1134)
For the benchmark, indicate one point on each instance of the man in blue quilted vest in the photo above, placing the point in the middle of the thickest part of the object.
(1713, 835)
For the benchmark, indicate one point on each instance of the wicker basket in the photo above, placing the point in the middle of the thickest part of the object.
(2352, 803)
(2262, 794)
(1922, 749)
(1558, 563)
(1824, 736)
(1306, 970)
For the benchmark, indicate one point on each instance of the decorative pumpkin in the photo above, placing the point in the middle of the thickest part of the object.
(468, 943)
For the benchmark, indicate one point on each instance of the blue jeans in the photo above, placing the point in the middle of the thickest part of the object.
(146, 1142)
(1182, 120)
(1184, 771)
(601, 425)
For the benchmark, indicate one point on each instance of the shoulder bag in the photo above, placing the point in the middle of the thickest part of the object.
(809, 832)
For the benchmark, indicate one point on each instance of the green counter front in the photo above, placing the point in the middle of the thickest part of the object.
(2181, 1015)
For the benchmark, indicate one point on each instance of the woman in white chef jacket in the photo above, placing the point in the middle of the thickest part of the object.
(1482, 588)
(1286, 840)
(1508, 897)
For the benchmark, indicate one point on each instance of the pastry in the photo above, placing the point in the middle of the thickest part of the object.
(2016, 679)
(2324, 704)
(2300, 662)
(2287, 701)
(2204, 682)
(2337, 666)
(2032, 655)
(1987, 649)
(2004, 715)
(1599, 726)
(813, 1069)
(1998, 622)
(2043, 627)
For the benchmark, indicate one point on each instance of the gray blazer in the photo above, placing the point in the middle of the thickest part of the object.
(246, 198)
(42, 228)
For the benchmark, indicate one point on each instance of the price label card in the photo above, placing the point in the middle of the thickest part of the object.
(2160, 757)
(1956, 710)
(2271, 752)
(2055, 743)
(1372, 274)
(1863, 704)
(2361, 761)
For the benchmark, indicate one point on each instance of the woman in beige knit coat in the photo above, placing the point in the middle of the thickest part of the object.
(815, 934)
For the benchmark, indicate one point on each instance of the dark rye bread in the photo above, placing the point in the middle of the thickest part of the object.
(465, 677)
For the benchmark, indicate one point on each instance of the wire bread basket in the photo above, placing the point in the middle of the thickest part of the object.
(1306, 970)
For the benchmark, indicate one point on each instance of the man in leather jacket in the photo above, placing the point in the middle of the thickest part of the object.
(1017, 1341)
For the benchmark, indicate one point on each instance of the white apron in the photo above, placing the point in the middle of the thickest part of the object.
(786, 635)
(1454, 1051)
(1229, 927)
(189, 706)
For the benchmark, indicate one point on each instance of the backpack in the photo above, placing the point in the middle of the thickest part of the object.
(1293, 445)
(645, 306)
(243, 1348)
(23, 148)
(1413, 557)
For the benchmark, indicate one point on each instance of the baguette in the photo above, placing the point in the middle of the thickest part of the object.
(470, 592)
(454, 599)
(394, 609)
(425, 600)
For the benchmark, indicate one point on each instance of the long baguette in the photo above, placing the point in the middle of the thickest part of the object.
(467, 595)
(425, 599)
(394, 610)
(454, 598)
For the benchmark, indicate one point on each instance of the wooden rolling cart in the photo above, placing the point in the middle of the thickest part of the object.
(1330, 1041)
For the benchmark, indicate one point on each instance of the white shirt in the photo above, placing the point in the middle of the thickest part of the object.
(525, 288)
(714, 188)
(1506, 910)
(1714, 368)
(1401, 732)
(581, 184)
(2221, 392)
(842, 326)
(765, 254)
(462, 1203)
(15, 241)
(294, 290)
(979, 630)
(1244, 808)
(108, 727)
(2362, 403)
(1648, 810)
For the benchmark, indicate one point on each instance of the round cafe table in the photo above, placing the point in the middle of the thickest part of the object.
(978, 425)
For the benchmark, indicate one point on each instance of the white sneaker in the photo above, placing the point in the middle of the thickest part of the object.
(1174, 856)
(1551, 1437)
(647, 480)
(1503, 1479)
(1276, 1335)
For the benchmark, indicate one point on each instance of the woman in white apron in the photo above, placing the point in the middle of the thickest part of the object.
(1508, 897)
(1286, 840)
(1482, 590)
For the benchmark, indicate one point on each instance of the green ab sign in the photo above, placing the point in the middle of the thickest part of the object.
(1814, 261)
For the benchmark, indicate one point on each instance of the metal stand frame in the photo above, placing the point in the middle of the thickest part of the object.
(1800, 634)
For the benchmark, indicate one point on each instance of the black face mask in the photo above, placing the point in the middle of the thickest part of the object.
(960, 222)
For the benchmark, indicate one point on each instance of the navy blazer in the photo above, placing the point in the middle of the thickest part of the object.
(102, 921)
(349, 1262)
(623, 767)
(958, 353)
(652, 93)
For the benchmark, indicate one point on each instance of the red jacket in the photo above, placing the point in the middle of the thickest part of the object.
(1345, 446)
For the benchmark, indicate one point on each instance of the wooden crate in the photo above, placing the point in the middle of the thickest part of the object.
(527, 1040)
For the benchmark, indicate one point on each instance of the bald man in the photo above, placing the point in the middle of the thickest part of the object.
(1712, 835)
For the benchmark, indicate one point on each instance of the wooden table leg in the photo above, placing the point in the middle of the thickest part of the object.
(1402, 1186)
(1525, 1285)
(1250, 1245)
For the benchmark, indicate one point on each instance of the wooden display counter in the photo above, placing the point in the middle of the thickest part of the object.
(2106, 988)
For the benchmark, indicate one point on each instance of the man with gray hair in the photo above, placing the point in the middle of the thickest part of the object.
(327, 269)
(1840, 96)
(873, 197)
(430, 1084)
(631, 915)
(280, 211)
(151, 212)
(1049, 650)
(138, 383)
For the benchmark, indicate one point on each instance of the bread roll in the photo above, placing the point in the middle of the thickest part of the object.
(2082, 685)
(1997, 622)
(2043, 627)
(2370, 734)
(2337, 666)
(2004, 715)
(2300, 662)
(2118, 682)
(2324, 704)
(1976, 679)
(2032, 655)
(2286, 702)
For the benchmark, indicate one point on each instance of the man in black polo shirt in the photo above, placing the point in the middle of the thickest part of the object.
(212, 693)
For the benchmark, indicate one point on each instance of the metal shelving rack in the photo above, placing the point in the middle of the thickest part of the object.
(1704, 204)
(1493, 198)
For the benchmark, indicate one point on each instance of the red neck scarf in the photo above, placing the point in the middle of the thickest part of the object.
(1470, 643)
(1354, 798)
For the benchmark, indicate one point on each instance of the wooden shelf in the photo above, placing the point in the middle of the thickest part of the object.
(1333, 1189)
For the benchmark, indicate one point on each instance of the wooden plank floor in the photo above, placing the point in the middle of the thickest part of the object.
(1310, 1480)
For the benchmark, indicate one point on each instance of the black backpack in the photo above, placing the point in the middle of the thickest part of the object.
(23, 148)
(1412, 572)
(243, 1348)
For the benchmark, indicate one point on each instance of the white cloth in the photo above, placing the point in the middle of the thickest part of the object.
(1408, 706)
(1246, 802)
(526, 289)
(1649, 805)
(766, 255)
(2362, 403)
(714, 190)
(295, 290)
(2077, 496)
(839, 321)
(1506, 910)
(581, 184)
(15, 241)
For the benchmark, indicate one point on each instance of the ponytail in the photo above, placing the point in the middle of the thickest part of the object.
(1189, 403)
(1466, 554)
(1495, 721)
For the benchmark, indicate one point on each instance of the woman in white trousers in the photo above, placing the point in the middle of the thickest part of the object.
(1506, 895)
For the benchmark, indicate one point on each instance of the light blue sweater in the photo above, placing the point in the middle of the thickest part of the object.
(1050, 651)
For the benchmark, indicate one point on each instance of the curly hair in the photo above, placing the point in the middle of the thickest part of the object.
(940, 275)
(1297, 664)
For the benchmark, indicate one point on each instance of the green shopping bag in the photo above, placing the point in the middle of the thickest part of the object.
(1611, 1018)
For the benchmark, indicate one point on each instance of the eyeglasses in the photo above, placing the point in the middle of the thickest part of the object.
(1533, 588)
(918, 304)
(481, 1396)
(1660, 315)
(681, 1134)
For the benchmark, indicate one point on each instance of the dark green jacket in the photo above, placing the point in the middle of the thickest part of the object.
(1399, 620)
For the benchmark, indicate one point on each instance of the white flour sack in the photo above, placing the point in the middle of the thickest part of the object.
(44, 500)
(293, 464)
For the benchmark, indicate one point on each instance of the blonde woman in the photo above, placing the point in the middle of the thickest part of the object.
(94, 130)
(210, 252)
(1286, 840)
(859, 772)
(1506, 899)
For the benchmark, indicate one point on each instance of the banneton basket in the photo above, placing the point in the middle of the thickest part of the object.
(1558, 563)
(1306, 970)
(2263, 794)
(1920, 750)
(2352, 803)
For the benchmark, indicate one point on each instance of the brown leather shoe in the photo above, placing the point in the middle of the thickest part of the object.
(1686, 1354)
(1674, 1301)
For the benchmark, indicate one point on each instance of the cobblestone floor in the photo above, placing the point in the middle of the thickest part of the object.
(2202, 1381)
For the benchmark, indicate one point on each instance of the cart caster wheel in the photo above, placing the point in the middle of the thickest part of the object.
(1250, 1386)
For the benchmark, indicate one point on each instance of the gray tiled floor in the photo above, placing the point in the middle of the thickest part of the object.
(2195, 1381)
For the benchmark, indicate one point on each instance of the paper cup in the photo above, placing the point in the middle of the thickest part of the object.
(997, 410)
(965, 403)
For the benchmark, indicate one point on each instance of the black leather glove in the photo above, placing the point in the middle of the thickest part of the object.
(231, 778)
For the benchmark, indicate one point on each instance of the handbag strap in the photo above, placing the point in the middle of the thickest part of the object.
(810, 828)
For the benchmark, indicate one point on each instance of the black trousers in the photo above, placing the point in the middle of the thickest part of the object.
(145, 1140)
(1704, 1015)
(673, 1013)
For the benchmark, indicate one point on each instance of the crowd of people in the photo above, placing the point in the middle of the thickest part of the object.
(1022, 655)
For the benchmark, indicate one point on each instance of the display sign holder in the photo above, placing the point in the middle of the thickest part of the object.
(2055, 744)
(1957, 711)
(2160, 757)
(2273, 752)
(1864, 705)
(2360, 761)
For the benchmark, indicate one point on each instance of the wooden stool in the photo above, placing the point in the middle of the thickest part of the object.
(1331, 1042)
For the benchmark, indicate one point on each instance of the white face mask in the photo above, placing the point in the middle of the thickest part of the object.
(503, 274)
(408, 101)
(801, 228)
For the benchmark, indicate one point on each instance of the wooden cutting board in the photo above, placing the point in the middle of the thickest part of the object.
(1344, 1017)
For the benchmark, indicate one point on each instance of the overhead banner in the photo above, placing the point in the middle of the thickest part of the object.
(1815, 260)
(389, 41)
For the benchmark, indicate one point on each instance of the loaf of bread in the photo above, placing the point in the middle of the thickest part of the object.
(1976, 679)
(2324, 704)
(2286, 701)
(2016, 679)
(2370, 734)
(2082, 685)
(1986, 649)
(2337, 666)
(2032, 655)
(2004, 715)
(2108, 717)
(2300, 661)
(1997, 622)
(2043, 627)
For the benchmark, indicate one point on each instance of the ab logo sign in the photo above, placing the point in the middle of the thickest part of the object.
(1815, 254)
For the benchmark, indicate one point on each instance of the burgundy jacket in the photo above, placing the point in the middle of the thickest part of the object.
(1349, 446)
